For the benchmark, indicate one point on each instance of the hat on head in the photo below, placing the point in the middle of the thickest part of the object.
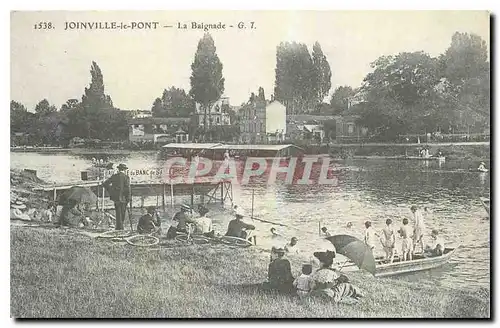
(483, 163)
(122, 167)
(294, 238)
(279, 250)
(434, 232)
(413, 207)
(323, 257)
(185, 207)
(202, 209)
(239, 212)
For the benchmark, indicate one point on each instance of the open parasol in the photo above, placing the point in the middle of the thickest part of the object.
(81, 195)
(355, 250)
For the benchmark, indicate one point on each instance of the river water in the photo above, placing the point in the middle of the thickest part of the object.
(365, 190)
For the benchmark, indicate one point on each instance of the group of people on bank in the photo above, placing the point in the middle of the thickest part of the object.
(325, 281)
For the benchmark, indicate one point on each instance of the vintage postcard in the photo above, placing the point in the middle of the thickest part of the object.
(250, 164)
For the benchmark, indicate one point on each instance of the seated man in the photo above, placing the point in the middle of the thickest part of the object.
(203, 224)
(150, 222)
(180, 218)
(237, 227)
(436, 248)
(280, 273)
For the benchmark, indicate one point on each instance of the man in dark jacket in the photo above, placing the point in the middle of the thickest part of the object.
(237, 228)
(118, 187)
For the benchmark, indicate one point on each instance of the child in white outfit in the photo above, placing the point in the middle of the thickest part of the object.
(303, 282)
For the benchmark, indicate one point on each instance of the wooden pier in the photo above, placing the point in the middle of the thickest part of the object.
(207, 190)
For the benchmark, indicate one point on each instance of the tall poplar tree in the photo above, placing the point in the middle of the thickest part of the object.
(322, 72)
(207, 82)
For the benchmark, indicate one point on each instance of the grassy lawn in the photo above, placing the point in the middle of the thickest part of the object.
(62, 274)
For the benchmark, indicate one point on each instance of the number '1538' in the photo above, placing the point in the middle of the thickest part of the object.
(43, 26)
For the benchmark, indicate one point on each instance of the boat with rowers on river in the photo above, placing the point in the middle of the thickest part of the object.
(398, 267)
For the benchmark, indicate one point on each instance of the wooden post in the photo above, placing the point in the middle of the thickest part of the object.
(319, 228)
(55, 193)
(171, 194)
(163, 198)
(222, 192)
(253, 195)
(103, 191)
(192, 196)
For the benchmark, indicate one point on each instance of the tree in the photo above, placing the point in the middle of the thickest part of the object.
(322, 71)
(252, 98)
(294, 83)
(401, 94)
(20, 118)
(261, 96)
(157, 109)
(70, 105)
(16, 106)
(466, 78)
(96, 116)
(44, 107)
(207, 82)
(174, 103)
(341, 98)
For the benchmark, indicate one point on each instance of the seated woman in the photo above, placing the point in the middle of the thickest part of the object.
(150, 222)
(327, 282)
(279, 273)
(70, 214)
(436, 248)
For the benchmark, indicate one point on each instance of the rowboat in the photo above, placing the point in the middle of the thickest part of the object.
(486, 204)
(398, 267)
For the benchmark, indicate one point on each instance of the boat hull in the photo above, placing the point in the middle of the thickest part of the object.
(486, 204)
(403, 267)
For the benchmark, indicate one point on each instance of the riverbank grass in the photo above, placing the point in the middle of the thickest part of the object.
(60, 274)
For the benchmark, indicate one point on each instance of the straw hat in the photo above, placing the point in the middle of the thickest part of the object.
(239, 212)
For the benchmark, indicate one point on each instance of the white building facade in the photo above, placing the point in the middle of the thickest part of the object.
(263, 122)
(217, 115)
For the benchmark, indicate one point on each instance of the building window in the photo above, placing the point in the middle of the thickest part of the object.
(350, 128)
(217, 119)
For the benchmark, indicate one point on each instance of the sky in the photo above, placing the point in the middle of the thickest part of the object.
(138, 64)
